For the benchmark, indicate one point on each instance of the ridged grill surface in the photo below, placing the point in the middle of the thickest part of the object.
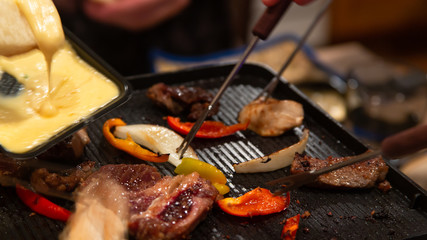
(334, 214)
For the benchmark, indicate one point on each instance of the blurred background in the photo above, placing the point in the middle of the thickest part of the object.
(365, 63)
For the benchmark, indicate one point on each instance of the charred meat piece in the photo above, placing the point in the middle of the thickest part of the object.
(182, 99)
(360, 175)
(8, 166)
(134, 178)
(64, 181)
(159, 208)
(70, 150)
(272, 117)
(181, 202)
(101, 212)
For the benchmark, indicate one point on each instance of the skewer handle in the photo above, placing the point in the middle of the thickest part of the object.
(269, 19)
(405, 142)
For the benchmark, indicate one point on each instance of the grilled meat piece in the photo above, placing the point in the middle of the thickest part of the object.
(182, 99)
(101, 212)
(70, 150)
(360, 175)
(159, 208)
(272, 117)
(8, 166)
(134, 178)
(65, 181)
(181, 202)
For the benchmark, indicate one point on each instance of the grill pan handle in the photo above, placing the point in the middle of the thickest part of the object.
(405, 142)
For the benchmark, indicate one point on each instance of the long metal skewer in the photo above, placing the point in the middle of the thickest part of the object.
(268, 90)
(261, 31)
(186, 143)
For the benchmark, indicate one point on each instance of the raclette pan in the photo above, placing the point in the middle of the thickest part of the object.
(355, 214)
(87, 55)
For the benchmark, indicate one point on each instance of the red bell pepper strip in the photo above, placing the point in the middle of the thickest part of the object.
(289, 231)
(41, 205)
(128, 145)
(259, 201)
(209, 129)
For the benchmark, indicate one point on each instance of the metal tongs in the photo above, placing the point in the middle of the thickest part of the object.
(292, 182)
(261, 30)
(268, 90)
(401, 144)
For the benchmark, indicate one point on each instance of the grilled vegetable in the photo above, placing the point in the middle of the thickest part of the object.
(259, 201)
(207, 171)
(157, 139)
(127, 144)
(274, 161)
(41, 205)
(209, 129)
(289, 231)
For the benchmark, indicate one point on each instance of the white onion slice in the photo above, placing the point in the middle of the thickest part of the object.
(274, 161)
(156, 138)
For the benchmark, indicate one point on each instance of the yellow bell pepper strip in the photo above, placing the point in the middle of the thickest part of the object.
(128, 145)
(209, 129)
(289, 231)
(207, 171)
(259, 201)
(41, 205)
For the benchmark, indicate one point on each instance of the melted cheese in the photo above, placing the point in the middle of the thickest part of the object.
(77, 90)
(46, 26)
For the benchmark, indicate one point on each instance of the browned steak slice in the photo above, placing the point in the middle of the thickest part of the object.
(134, 177)
(179, 204)
(360, 175)
(182, 99)
(159, 208)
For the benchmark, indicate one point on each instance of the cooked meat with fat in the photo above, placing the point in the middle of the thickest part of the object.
(134, 178)
(64, 181)
(272, 117)
(102, 212)
(181, 202)
(359, 175)
(69, 150)
(182, 99)
(159, 208)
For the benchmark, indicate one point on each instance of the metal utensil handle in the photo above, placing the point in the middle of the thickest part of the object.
(270, 18)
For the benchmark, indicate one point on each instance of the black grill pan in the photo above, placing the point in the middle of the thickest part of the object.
(356, 214)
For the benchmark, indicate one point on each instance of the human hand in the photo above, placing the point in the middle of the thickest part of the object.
(133, 15)
(270, 3)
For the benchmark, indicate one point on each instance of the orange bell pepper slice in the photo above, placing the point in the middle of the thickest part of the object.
(128, 145)
(289, 231)
(259, 201)
(209, 129)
